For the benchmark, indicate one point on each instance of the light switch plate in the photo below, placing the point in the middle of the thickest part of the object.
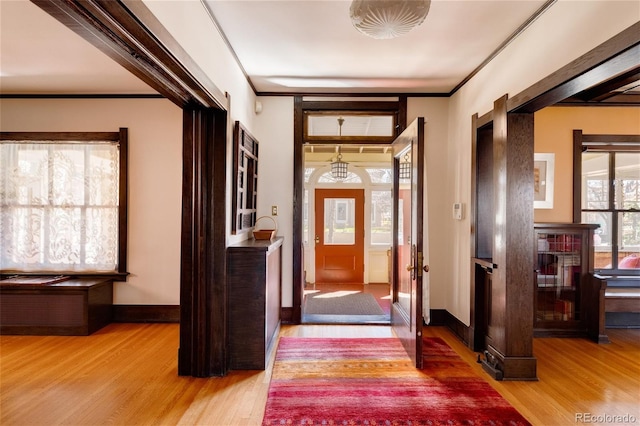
(457, 211)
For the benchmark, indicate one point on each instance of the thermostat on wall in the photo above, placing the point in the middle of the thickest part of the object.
(457, 211)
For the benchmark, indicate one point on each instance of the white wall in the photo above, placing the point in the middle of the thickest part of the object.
(274, 131)
(437, 200)
(186, 21)
(155, 180)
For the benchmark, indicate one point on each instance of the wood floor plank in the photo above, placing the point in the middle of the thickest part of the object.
(126, 374)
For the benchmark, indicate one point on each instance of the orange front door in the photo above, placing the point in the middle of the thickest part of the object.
(339, 237)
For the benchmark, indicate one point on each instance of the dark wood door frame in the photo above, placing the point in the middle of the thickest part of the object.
(203, 288)
(293, 315)
(115, 27)
(408, 325)
(508, 301)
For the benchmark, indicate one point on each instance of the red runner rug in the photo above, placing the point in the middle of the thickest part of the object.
(351, 381)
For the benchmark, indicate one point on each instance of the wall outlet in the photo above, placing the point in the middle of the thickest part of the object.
(274, 210)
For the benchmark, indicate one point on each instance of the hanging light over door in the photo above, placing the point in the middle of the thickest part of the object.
(339, 169)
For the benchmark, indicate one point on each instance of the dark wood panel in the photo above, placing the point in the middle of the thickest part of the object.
(273, 295)
(74, 306)
(146, 313)
(286, 315)
(203, 290)
(442, 317)
(364, 105)
(254, 280)
(60, 136)
(508, 294)
(519, 234)
(497, 308)
(485, 216)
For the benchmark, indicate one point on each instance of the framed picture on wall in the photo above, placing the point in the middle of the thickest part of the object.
(543, 166)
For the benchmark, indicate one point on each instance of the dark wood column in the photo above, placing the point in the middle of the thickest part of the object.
(203, 291)
(511, 300)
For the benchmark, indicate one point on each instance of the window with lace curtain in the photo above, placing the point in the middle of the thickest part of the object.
(63, 199)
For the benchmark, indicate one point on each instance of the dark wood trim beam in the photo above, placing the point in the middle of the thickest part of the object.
(352, 95)
(577, 176)
(617, 100)
(203, 290)
(484, 120)
(614, 57)
(123, 201)
(81, 96)
(111, 27)
(350, 106)
(60, 136)
(611, 139)
(298, 206)
(605, 91)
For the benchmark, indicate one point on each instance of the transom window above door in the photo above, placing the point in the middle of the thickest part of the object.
(338, 126)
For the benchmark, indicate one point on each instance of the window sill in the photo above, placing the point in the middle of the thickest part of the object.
(116, 276)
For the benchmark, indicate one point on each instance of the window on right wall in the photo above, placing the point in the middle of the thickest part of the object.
(610, 197)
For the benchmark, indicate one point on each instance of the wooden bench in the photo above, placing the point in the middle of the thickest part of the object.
(622, 299)
(55, 305)
(612, 295)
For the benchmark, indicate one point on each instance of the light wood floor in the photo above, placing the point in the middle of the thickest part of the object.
(126, 374)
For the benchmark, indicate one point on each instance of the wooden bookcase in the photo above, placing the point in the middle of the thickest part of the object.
(563, 268)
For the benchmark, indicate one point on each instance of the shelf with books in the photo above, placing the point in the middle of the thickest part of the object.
(562, 267)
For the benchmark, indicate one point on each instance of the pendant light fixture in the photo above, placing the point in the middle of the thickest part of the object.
(384, 19)
(339, 168)
(405, 167)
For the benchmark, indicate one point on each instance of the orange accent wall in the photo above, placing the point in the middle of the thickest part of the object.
(553, 132)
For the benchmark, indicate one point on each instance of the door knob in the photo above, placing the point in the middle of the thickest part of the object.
(425, 268)
(409, 268)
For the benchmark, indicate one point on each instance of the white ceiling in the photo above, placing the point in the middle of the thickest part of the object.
(289, 46)
(45, 57)
(306, 46)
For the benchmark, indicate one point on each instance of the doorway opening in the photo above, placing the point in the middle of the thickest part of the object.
(347, 235)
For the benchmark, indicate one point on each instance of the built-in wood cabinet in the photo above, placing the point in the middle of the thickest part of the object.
(254, 275)
(63, 305)
(562, 280)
